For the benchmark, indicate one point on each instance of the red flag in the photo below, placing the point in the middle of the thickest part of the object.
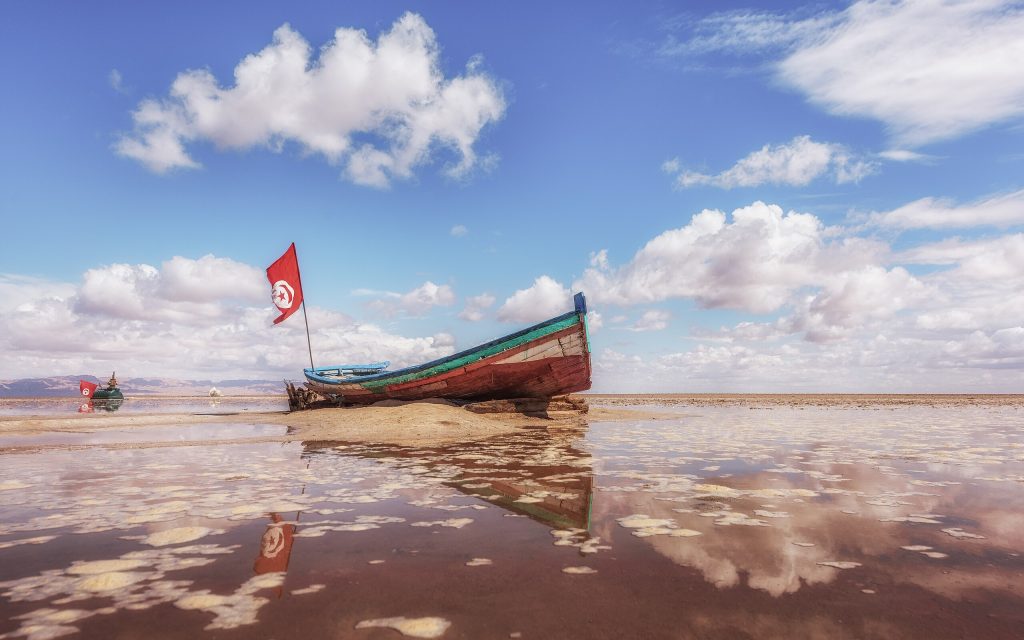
(86, 388)
(286, 286)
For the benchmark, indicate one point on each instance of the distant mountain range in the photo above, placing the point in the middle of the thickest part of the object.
(57, 386)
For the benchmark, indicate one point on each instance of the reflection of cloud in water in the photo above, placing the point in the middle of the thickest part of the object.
(881, 482)
(797, 495)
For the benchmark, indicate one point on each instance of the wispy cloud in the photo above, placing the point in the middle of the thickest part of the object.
(652, 320)
(390, 93)
(929, 70)
(1004, 210)
(417, 302)
(795, 163)
(116, 81)
(476, 306)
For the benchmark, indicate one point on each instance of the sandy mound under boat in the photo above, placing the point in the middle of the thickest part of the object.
(426, 422)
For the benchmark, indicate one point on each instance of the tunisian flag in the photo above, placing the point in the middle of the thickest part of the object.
(286, 286)
(86, 388)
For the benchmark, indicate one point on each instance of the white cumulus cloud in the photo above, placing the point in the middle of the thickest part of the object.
(546, 298)
(380, 109)
(126, 317)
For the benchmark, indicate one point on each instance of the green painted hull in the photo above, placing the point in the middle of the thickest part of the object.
(107, 394)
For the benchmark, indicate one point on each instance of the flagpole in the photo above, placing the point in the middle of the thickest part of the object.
(309, 344)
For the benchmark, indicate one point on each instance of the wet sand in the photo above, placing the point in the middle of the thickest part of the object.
(412, 423)
(852, 520)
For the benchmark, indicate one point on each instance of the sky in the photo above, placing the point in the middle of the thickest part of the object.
(755, 197)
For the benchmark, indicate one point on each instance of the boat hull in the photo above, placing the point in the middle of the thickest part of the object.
(549, 359)
(107, 394)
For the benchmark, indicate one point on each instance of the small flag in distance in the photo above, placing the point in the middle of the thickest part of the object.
(86, 388)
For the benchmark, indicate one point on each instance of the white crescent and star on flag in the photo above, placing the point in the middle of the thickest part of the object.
(283, 295)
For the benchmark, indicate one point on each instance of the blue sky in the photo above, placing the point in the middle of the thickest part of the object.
(457, 151)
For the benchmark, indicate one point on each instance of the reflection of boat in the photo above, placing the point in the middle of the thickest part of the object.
(108, 405)
(110, 393)
(542, 476)
(563, 507)
(547, 359)
(103, 405)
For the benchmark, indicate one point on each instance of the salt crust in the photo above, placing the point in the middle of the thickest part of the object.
(429, 627)
(178, 535)
(840, 564)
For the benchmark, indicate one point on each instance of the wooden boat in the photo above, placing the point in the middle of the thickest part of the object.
(548, 359)
(110, 393)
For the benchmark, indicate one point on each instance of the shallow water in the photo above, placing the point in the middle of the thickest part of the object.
(140, 404)
(730, 522)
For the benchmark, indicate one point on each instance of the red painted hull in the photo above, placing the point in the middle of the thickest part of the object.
(496, 377)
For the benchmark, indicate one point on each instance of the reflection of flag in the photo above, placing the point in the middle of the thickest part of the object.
(86, 388)
(85, 407)
(286, 286)
(275, 547)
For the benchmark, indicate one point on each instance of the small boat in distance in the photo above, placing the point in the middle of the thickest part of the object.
(111, 392)
(548, 359)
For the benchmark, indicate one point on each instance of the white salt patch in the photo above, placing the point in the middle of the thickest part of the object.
(934, 554)
(917, 519)
(684, 533)
(110, 581)
(266, 581)
(916, 547)
(375, 562)
(770, 514)
(412, 627)
(479, 562)
(201, 601)
(8, 485)
(804, 544)
(529, 499)
(361, 526)
(454, 523)
(178, 535)
(643, 521)
(960, 534)
(313, 588)
(35, 540)
(579, 570)
(731, 518)
(868, 591)
(840, 564)
(247, 509)
(104, 566)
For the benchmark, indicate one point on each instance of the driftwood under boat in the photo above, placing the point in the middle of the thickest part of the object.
(548, 359)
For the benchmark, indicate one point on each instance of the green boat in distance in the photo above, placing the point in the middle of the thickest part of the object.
(111, 392)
